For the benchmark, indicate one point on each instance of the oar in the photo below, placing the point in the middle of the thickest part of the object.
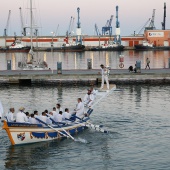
(95, 127)
(57, 123)
(53, 128)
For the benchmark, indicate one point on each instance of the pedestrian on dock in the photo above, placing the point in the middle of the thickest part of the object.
(104, 73)
(147, 63)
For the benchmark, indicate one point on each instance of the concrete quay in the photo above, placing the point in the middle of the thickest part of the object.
(84, 77)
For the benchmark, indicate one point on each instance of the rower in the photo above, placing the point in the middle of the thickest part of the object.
(32, 119)
(58, 117)
(66, 114)
(1, 110)
(21, 116)
(10, 115)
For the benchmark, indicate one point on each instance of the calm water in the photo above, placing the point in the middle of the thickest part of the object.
(138, 118)
(74, 60)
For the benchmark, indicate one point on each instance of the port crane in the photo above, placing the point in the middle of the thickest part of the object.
(7, 24)
(117, 39)
(71, 24)
(22, 24)
(78, 31)
(164, 17)
(107, 29)
(152, 22)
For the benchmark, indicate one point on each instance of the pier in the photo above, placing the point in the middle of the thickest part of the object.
(84, 77)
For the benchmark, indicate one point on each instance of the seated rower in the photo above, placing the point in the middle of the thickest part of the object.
(32, 119)
(66, 115)
(1, 110)
(10, 115)
(21, 116)
(43, 118)
(88, 99)
(58, 117)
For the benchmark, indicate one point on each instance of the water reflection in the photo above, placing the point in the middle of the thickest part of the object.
(78, 60)
(29, 156)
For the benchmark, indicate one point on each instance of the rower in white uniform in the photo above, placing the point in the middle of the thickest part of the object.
(1, 110)
(88, 99)
(10, 115)
(79, 108)
(21, 116)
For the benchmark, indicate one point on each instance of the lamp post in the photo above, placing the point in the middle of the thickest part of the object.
(52, 45)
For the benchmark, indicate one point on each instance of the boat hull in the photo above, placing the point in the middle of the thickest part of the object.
(118, 48)
(76, 48)
(15, 50)
(142, 47)
(25, 133)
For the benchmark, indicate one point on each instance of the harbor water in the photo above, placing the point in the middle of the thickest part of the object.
(79, 60)
(138, 118)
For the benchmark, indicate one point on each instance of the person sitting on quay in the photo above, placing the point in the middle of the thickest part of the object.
(21, 116)
(10, 115)
(88, 99)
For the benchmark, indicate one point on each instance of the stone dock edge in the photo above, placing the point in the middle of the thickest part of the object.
(90, 79)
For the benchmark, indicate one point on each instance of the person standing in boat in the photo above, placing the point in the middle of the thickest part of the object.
(88, 99)
(58, 108)
(104, 73)
(1, 110)
(79, 108)
(21, 116)
(147, 63)
(10, 115)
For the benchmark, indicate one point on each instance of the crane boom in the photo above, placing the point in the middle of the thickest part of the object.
(22, 23)
(110, 21)
(7, 24)
(152, 24)
(164, 17)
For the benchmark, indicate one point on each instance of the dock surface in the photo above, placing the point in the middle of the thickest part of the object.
(91, 76)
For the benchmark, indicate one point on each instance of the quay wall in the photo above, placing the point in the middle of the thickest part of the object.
(86, 79)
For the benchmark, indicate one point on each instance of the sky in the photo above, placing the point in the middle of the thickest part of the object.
(48, 14)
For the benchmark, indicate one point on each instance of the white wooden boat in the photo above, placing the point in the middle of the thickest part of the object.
(26, 133)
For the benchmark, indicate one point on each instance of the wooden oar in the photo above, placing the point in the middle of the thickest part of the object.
(95, 127)
(68, 135)
(57, 123)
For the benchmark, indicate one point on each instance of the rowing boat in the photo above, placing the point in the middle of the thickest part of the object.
(26, 133)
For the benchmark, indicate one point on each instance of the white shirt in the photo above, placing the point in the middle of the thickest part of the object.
(60, 109)
(66, 115)
(58, 118)
(21, 117)
(80, 109)
(54, 113)
(32, 120)
(43, 118)
(10, 117)
(88, 98)
(1, 109)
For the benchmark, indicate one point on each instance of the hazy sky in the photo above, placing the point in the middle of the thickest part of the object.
(133, 14)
